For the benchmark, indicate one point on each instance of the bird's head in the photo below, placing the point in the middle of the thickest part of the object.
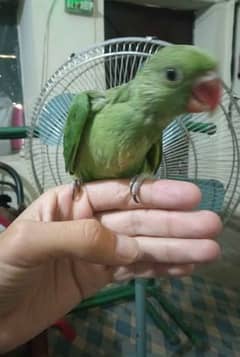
(179, 79)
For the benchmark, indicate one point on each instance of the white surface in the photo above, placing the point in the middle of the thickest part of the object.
(213, 31)
(71, 33)
(67, 34)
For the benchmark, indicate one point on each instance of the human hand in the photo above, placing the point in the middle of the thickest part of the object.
(56, 253)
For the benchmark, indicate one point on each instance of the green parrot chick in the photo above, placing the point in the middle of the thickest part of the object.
(117, 133)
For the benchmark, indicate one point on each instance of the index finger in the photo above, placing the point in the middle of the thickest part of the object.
(161, 194)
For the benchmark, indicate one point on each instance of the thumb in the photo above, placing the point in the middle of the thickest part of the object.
(28, 243)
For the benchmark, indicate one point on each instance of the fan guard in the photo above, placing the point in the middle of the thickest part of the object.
(201, 148)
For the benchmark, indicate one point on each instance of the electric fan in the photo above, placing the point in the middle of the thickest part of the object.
(200, 148)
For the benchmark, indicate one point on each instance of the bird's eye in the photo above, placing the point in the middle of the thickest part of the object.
(173, 74)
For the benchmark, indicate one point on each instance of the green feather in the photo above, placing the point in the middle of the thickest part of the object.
(77, 117)
(118, 132)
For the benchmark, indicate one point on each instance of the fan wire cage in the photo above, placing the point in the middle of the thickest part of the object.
(201, 148)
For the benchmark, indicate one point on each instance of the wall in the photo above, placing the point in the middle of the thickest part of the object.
(71, 33)
(67, 34)
(213, 31)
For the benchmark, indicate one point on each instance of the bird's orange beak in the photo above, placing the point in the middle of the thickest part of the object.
(206, 94)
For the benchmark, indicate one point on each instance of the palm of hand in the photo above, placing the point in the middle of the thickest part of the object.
(46, 254)
(55, 286)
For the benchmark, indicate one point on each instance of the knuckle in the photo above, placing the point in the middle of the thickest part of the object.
(91, 232)
(97, 241)
(168, 253)
(135, 222)
(124, 195)
(19, 232)
(137, 255)
(168, 223)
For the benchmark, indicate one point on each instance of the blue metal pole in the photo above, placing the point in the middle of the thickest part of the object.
(140, 301)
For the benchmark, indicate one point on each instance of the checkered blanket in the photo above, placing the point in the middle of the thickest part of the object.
(209, 310)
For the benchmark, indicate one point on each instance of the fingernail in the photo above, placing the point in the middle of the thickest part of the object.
(127, 249)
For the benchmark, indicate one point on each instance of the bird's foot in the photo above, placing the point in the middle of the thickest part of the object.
(135, 185)
(77, 189)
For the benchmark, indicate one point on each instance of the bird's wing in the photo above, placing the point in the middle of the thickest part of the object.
(153, 158)
(83, 107)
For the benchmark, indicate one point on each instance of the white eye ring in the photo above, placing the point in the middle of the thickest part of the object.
(173, 75)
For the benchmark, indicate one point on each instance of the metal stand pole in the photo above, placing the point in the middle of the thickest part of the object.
(140, 300)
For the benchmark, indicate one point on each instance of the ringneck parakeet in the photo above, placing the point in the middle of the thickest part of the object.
(117, 133)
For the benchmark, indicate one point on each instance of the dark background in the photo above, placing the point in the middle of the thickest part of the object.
(10, 73)
(125, 19)
(121, 19)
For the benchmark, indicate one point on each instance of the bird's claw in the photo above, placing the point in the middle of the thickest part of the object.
(77, 188)
(134, 189)
(135, 185)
